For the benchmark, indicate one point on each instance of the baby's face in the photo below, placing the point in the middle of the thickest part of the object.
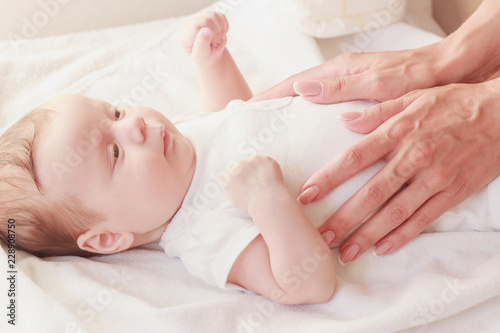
(129, 163)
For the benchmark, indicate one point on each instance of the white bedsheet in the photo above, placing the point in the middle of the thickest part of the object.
(440, 282)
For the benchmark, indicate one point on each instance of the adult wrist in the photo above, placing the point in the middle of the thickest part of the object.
(471, 54)
(450, 61)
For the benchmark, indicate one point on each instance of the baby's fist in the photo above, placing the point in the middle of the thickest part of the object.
(252, 178)
(203, 38)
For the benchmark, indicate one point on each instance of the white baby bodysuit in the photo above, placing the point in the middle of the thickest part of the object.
(208, 233)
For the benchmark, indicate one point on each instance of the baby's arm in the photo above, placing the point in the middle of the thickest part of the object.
(289, 262)
(203, 37)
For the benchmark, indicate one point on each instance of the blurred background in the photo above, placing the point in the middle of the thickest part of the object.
(451, 13)
(40, 18)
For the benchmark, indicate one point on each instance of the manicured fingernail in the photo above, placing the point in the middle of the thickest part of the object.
(348, 253)
(328, 236)
(348, 116)
(308, 195)
(308, 88)
(383, 248)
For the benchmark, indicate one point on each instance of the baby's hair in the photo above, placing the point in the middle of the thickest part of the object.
(42, 227)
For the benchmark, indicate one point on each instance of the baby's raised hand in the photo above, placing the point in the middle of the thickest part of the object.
(203, 37)
(253, 179)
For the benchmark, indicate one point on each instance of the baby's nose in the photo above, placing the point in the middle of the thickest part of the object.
(136, 128)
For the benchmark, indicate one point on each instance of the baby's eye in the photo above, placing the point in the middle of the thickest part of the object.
(116, 151)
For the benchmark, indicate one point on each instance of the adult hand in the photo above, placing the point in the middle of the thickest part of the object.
(471, 54)
(441, 145)
(378, 76)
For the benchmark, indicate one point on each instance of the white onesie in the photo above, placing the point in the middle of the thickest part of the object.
(208, 233)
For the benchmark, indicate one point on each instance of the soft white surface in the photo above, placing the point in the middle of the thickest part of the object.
(440, 282)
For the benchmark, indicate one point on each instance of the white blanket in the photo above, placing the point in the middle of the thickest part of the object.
(440, 282)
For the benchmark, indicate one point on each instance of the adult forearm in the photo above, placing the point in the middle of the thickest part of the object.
(472, 52)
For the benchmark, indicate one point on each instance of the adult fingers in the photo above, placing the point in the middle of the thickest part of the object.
(286, 87)
(349, 162)
(365, 152)
(398, 225)
(448, 197)
(325, 91)
(394, 213)
(407, 161)
(370, 119)
(421, 219)
(282, 89)
(368, 199)
(333, 90)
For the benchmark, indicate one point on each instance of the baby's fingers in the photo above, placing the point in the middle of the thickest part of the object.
(217, 22)
(201, 46)
(222, 23)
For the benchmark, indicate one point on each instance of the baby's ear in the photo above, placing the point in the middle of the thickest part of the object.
(105, 241)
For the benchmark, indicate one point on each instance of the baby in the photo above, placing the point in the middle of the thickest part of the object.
(81, 176)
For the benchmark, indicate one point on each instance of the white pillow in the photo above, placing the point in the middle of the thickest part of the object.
(333, 18)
